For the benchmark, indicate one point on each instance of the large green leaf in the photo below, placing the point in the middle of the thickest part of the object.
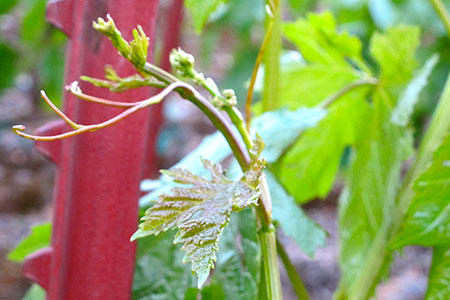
(308, 85)
(201, 10)
(439, 279)
(368, 201)
(310, 166)
(394, 52)
(39, 238)
(294, 222)
(319, 41)
(201, 212)
(427, 221)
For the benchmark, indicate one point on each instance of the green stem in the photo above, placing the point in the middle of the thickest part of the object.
(271, 94)
(443, 14)
(294, 277)
(270, 263)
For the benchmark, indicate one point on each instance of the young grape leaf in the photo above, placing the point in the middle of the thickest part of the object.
(439, 278)
(239, 259)
(37, 239)
(202, 211)
(427, 221)
(201, 10)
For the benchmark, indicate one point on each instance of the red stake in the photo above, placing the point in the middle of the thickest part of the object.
(97, 186)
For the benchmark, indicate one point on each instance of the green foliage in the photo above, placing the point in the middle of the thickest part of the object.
(38, 238)
(201, 10)
(6, 6)
(202, 211)
(7, 65)
(160, 273)
(427, 221)
(439, 279)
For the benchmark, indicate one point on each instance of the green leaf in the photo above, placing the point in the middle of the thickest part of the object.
(319, 41)
(427, 221)
(408, 99)
(160, 273)
(368, 201)
(39, 238)
(394, 52)
(439, 278)
(310, 166)
(202, 211)
(201, 10)
(295, 223)
(35, 292)
(308, 85)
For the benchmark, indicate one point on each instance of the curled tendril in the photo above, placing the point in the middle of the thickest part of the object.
(79, 128)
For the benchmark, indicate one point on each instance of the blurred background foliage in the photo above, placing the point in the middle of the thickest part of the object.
(31, 50)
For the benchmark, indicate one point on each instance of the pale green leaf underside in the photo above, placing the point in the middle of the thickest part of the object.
(294, 222)
(200, 212)
(427, 221)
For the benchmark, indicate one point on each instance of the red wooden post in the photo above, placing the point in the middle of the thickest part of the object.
(97, 185)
